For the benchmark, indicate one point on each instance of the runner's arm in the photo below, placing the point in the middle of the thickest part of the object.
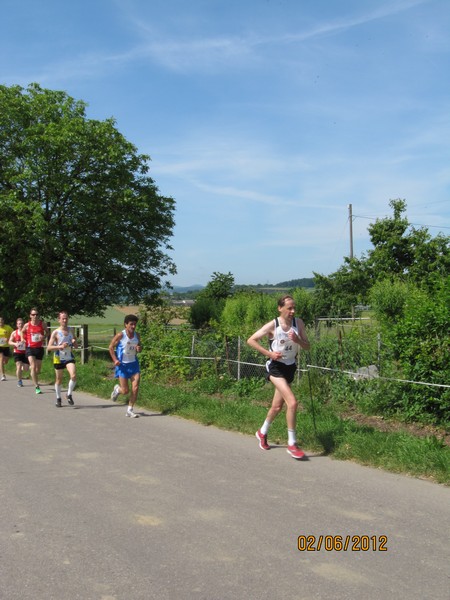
(51, 343)
(266, 330)
(112, 348)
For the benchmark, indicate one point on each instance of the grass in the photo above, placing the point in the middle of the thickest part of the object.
(320, 429)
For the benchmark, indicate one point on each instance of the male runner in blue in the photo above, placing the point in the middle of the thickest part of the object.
(123, 350)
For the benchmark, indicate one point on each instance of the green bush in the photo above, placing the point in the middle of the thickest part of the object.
(388, 298)
(422, 345)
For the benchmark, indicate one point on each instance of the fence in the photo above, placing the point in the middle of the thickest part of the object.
(331, 347)
(350, 347)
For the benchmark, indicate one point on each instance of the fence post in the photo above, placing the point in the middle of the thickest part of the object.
(239, 359)
(227, 352)
(84, 346)
(379, 352)
(316, 328)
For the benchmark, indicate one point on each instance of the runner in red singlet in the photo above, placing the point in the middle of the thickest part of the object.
(34, 333)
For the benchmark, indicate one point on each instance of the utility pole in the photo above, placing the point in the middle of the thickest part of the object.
(350, 220)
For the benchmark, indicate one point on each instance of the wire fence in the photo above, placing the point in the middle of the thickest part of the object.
(353, 349)
(338, 346)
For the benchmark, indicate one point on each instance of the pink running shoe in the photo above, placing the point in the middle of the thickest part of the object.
(295, 452)
(262, 439)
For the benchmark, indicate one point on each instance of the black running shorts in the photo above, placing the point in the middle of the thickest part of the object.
(279, 369)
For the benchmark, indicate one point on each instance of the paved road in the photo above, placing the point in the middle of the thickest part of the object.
(98, 506)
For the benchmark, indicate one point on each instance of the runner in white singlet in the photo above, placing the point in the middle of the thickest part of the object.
(286, 335)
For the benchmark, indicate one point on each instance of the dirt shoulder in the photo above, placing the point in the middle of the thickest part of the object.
(388, 425)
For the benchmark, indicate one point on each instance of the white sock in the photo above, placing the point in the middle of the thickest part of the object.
(72, 384)
(58, 390)
(292, 440)
(265, 427)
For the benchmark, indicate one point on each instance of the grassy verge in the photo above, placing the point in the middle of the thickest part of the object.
(320, 428)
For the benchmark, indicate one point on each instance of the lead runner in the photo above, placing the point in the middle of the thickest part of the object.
(286, 335)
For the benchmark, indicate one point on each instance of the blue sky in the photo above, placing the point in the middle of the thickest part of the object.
(264, 119)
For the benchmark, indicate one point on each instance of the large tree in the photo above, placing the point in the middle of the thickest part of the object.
(83, 224)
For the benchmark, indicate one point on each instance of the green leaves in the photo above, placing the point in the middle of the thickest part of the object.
(85, 225)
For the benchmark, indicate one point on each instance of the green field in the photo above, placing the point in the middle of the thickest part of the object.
(113, 317)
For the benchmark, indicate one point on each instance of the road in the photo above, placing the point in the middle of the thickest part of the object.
(97, 506)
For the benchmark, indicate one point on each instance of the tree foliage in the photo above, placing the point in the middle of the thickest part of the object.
(418, 336)
(403, 251)
(246, 312)
(336, 294)
(83, 223)
(219, 287)
(210, 301)
(400, 252)
(387, 300)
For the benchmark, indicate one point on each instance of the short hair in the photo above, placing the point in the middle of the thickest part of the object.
(130, 319)
(282, 300)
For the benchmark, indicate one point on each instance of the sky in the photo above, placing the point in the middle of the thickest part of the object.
(264, 119)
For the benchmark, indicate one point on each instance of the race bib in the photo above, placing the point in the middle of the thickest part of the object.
(2, 341)
(36, 337)
(129, 353)
(21, 346)
(65, 354)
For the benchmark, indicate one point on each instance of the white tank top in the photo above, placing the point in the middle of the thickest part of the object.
(282, 343)
(126, 348)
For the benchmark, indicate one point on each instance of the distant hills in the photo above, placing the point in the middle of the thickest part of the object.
(304, 282)
(178, 289)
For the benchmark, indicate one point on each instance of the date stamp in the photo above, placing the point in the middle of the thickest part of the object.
(342, 543)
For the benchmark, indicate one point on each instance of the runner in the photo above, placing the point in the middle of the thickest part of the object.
(286, 334)
(34, 333)
(123, 350)
(15, 340)
(5, 332)
(61, 342)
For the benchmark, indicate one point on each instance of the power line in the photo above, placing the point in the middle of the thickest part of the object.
(415, 224)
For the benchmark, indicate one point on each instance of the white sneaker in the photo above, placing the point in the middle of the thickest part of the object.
(3, 378)
(115, 393)
(132, 414)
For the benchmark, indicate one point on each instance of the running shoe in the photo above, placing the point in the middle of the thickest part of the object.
(262, 439)
(115, 393)
(295, 451)
(130, 413)
(3, 378)
(38, 390)
(70, 400)
(19, 383)
(58, 402)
